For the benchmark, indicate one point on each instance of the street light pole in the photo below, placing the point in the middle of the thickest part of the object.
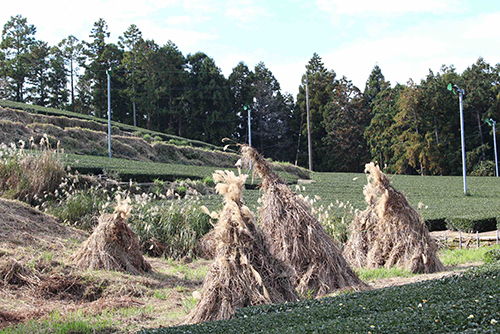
(495, 145)
(464, 169)
(309, 143)
(109, 111)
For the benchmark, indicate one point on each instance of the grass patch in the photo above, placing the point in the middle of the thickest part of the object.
(379, 273)
(54, 324)
(455, 257)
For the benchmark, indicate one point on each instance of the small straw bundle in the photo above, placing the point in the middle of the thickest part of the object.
(243, 273)
(390, 232)
(297, 237)
(112, 245)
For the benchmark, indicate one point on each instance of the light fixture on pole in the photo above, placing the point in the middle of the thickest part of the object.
(309, 142)
(461, 95)
(493, 123)
(108, 73)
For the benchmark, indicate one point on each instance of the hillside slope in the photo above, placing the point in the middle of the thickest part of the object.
(88, 137)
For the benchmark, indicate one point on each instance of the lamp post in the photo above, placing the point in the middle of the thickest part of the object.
(494, 123)
(108, 73)
(461, 95)
(464, 169)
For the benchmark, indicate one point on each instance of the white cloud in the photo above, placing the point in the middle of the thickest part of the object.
(185, 20)
(384, 7)
(205, 6)
(485, 27)
(183, 38)
(244, 11)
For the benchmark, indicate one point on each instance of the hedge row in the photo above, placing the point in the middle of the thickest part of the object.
(472, 224)
(146, 171)
(124, 127)
(470, 302)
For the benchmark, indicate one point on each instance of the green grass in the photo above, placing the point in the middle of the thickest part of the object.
(454, 257)
(379, 273)
(75, 323)
(442, 196)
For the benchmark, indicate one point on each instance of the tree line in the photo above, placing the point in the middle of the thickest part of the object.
(411, 128)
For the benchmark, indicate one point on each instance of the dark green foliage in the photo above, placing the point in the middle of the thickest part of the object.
(451, 304)
(345, 119)
(492, 256)
(471, 224)
(438, 224)
(17, 38)
(145, 171)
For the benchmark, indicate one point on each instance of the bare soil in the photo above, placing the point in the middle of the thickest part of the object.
(37, 279)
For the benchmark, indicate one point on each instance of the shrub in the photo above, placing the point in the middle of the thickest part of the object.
(492, 256)
(484, 168)
(471, 224)
(438, 224)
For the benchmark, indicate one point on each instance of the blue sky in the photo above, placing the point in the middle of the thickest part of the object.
(405, 38)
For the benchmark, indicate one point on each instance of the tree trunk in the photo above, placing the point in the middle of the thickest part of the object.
(481, 134)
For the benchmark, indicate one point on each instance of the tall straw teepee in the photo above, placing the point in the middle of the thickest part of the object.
(297, 237)
(389, 232)
(244, 272)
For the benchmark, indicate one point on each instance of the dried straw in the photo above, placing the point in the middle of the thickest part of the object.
(390, 232)
(297, 237)
(112, 245)
(244, 272)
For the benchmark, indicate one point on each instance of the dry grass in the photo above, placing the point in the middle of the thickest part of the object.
(244, 272)
(390, 232)
(38, 283)
(113, 245)
(29, 176)
(297, 237)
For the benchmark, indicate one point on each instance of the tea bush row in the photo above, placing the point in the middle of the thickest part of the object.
(124, 127)
(467, 303)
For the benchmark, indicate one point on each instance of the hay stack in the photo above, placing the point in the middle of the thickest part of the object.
(112, 245)
(390, 232)
(297, 237)
(243, 273)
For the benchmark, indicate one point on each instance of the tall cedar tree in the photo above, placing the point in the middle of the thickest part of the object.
(71, 52)
(346, 117)
(208, 107)
(17, 39)
(130, 42)
(241, 90)
(96, 67)
(322, 83)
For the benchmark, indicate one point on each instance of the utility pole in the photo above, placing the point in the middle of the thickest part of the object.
(108, 72)
(308, 126)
